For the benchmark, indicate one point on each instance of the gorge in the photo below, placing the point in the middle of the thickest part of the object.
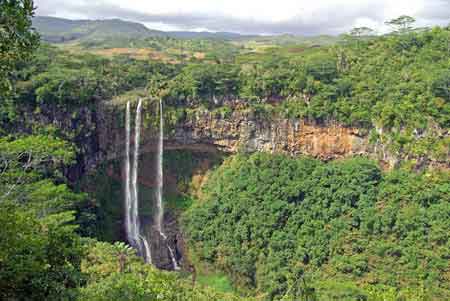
(205, 135)
(242, 168)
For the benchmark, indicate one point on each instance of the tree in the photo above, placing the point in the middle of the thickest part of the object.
(25, 160)
(402, 24)
(17, 38)
(358, 32)
(40, 250)
(441, 85)
(39, 258)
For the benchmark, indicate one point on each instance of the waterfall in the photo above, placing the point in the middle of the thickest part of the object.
(159, 174)
(128, 224)
(134, 177)
(132, 224)
(160, 185)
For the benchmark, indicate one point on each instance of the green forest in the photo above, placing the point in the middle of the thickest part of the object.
(257, 226)
(344, 230)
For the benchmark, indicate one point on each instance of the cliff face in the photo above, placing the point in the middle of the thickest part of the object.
(245, 132)
(240, 132)
(99, 133)
(78, 125)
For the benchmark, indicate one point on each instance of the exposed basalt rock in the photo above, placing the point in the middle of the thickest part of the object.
(244, 132)
(159, 246)
(78, 125)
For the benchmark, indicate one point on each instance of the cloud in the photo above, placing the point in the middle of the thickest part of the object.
(438, 10)
(253, 16)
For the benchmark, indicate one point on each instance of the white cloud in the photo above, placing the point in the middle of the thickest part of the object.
(252, 16)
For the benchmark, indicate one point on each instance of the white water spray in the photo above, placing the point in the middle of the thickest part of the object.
(132, 223)
(134, 177)
(160, 185)
(128, 224)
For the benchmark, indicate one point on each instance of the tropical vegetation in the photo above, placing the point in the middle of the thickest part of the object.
(265, 226)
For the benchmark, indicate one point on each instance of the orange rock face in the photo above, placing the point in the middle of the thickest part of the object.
(243, 132)
(326, 142)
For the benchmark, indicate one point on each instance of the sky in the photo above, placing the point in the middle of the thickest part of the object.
(300, 17)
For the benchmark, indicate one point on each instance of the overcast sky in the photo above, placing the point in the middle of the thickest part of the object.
(302, 17)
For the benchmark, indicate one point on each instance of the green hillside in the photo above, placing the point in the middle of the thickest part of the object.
(57, 30)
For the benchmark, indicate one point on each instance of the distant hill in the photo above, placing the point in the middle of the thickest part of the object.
(116, 33)
(58, 30)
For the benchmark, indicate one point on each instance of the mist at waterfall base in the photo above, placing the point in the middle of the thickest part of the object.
(135, 237)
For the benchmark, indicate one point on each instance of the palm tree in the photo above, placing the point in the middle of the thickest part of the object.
(123, 251)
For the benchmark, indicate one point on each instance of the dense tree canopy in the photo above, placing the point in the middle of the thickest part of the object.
(341, 226)
(41, 251)
(17, 40)
(395, 86)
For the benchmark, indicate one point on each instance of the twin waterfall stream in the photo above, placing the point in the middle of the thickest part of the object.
(134, 233)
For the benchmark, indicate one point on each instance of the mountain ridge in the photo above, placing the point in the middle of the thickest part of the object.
(60, 30)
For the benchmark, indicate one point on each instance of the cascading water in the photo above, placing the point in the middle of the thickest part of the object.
(134, 175)
(132, 224)
(160, 185)
(128, 223)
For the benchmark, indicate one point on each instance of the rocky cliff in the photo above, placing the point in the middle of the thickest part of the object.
(241, 131)
(245, 131)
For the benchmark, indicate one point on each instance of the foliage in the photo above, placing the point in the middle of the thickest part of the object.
(395, 84)
(398, 84)
(289, 228)
(40, 250)
(402, 24)
(42, 257)
(17, 39)
(39, 258)
(266, 219)
(202, 81)
(100, 217)
(17, 43)
(26, 162)
(361, 31)
(81, 79)
(116, 273)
